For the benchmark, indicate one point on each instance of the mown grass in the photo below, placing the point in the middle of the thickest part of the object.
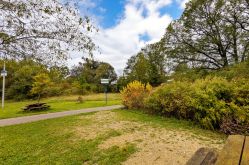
(55, 141)
(63, 103)
(51, 142)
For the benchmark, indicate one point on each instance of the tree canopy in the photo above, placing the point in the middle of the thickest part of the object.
(211, 34)
(91, 71)
(149, 65)
(44, 30)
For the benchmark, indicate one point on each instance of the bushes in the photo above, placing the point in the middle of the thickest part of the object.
(133, 95)
(211, 98)
(171, 100)
(214, 103)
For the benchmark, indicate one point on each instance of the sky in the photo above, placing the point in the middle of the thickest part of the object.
(126, 26)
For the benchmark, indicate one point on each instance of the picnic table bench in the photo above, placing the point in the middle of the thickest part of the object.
(36, 106)
(235, 152)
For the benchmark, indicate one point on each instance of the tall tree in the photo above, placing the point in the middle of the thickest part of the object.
(105, 70)
(147, 66)
(20, 78)
(210, 34)
(157, 63)
(44, 30)
(91, 71)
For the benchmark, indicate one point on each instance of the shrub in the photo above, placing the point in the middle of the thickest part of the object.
(214, 103)
(55, 90)
(134, 94)
(230, 126)
(171, 100)
(211, 98)
(80, 99)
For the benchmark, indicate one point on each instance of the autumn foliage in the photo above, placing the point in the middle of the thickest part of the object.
(134, 93)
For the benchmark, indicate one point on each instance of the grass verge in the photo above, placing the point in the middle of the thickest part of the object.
(63, 103)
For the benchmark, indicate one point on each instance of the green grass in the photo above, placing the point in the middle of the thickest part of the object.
(51, 142)
(63, 103)
(55, 141)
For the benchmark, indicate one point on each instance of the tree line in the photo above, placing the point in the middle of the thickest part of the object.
(84, 78)
(210, 35)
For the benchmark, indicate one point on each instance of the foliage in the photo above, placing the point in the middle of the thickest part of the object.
(184, 73)
(171, 100)
(209, 102)
(40, 85)
(20, 78)
(148, 66)
(63, 81)
(210, 34)
(240, 70)
(133, 95)
(86, 76)
(80, 99)
(42, 30)
(229, 127)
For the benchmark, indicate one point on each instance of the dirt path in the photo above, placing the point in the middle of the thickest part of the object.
(156, 145)
(28, 119)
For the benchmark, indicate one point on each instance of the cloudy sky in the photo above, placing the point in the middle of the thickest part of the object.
(125, 26)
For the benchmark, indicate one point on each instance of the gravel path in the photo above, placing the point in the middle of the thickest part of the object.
(28, 119)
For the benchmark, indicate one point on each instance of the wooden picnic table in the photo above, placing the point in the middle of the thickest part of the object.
(36, 106)
(235, 152)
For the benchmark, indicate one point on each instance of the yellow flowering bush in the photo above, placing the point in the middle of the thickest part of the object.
(134, 93)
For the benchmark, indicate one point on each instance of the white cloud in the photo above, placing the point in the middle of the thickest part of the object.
(87, 3)
(182, 3)
(141, 17)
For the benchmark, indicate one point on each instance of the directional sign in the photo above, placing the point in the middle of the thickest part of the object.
(3, 73)
(104, 81)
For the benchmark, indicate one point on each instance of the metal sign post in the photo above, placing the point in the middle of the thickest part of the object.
(3, 74)
(105, 82)
(105, 94)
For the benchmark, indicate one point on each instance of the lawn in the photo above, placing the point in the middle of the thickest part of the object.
(63, 103)
(109, 137)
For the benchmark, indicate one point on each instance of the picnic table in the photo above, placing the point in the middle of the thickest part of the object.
(36, 107)
(235, 152)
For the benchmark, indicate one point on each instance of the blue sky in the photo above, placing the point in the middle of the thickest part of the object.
(125, 26)
(110, 11)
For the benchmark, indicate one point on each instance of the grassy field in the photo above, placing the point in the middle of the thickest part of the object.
(63, 103)
(110, 137)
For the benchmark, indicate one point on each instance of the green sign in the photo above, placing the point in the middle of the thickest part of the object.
(104, 81)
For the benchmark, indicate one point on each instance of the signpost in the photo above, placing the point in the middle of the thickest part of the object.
(3, 74)
(105, 82)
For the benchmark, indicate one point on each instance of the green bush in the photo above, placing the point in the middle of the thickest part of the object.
(233, 72)
(209, 102)
(171, 100)
(211, 98)
(55, 90)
